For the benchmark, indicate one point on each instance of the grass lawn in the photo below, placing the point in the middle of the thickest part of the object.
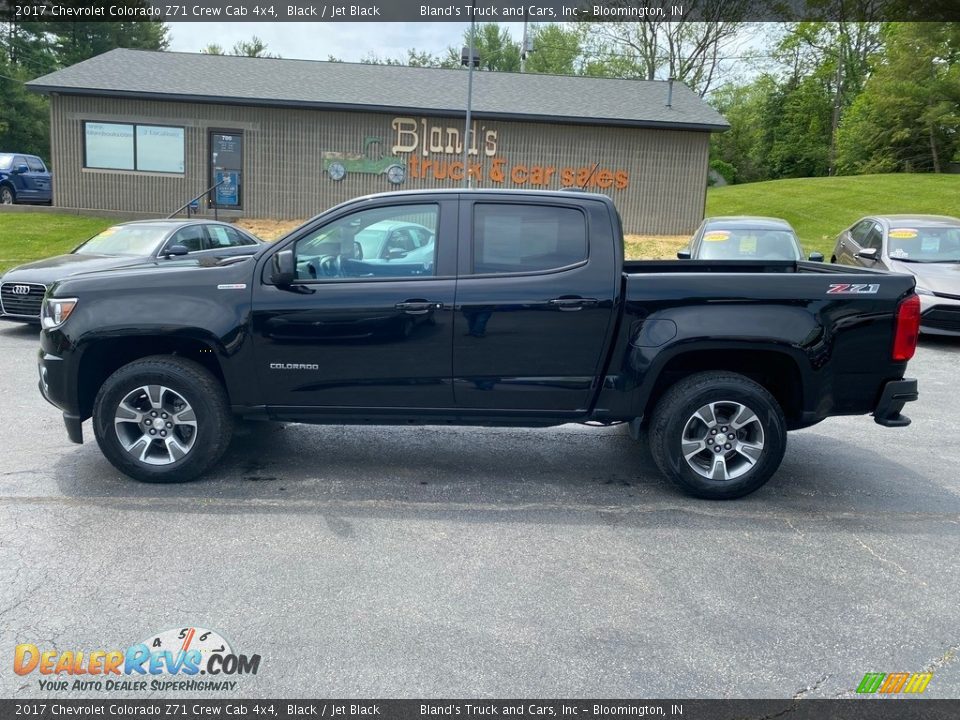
(819, 208)
(31, 236)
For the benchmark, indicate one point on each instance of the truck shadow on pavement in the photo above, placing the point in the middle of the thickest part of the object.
(571, 474)
(18, 330)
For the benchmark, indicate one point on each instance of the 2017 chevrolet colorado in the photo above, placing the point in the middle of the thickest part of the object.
(476, 307)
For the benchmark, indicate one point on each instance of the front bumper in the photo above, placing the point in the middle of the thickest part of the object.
(54, 387)
(896, 393)
(940, 315)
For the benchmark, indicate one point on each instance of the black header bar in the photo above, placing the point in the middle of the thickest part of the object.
(545, 11)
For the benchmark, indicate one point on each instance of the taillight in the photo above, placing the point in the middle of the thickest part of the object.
(906, 328)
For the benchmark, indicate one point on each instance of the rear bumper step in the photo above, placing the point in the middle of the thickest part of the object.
(895, 395)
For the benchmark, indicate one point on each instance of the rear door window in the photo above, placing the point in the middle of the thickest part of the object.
(35, 164)
(525, 238)
(224, 237)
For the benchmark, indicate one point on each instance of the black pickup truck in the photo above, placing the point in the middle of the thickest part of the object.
(510, 308)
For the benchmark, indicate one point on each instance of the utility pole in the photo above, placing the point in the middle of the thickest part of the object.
(523, 46)
(470, 61)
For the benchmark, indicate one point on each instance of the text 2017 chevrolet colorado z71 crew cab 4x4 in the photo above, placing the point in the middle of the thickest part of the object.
(476, 308)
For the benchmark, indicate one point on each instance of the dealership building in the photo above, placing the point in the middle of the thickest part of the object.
(144, 132)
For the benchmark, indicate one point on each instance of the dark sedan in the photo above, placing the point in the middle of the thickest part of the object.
(744, 237)
(925, 246)
(22, 288)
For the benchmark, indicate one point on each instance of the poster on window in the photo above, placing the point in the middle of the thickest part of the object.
(159, 149)
(109, 145)
(228, 191)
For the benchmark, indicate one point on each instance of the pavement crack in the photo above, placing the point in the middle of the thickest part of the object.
(794, 527)
(810, 688)
(880, 557)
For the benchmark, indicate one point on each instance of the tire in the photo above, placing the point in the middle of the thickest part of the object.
(7, 196)
(740, 466)
(153, 391)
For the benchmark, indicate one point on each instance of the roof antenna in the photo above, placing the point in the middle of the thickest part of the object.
(589, 177)
(581, 186)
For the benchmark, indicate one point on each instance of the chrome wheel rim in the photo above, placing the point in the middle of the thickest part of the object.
(722, 440)
(155, 425)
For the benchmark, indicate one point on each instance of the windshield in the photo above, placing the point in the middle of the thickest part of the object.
(141, 240)
(748, 244)
(925, 244)
(371, 240)
(6, 162)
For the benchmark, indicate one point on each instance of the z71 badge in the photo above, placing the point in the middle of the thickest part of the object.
(849, 289)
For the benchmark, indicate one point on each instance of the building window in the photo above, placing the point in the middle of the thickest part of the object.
(128, 146)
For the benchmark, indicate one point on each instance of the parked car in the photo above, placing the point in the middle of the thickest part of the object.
(24, 179)
(157, 241)
(538, 320)
(925, 246)
(745, 237)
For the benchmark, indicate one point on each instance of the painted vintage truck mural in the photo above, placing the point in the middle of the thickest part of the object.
(370, 161)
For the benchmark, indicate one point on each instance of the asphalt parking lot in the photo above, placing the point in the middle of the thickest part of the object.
(458, 562)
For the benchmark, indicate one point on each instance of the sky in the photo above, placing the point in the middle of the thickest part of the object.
(317, 41)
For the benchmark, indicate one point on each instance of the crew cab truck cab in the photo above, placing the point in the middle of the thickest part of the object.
(510, 308)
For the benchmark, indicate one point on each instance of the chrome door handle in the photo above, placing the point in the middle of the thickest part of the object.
(571, 304)
(418, 307)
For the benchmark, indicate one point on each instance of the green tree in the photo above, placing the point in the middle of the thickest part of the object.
(494, 45)
(744, 149)
(29, 50)
(797, 120)
(691, 52)
(908, 116)
(254, 47)
(24, 116)
(77, 41)
(556, 50)
(839, 56)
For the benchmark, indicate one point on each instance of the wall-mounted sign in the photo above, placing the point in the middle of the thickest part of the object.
(424, 149)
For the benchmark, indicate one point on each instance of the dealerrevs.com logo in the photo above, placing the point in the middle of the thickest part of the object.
(173, 660)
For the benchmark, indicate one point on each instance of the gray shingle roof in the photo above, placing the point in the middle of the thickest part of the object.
(350, 86)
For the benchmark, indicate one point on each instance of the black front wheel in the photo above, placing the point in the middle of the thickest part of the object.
(718, 435)
(162, 419)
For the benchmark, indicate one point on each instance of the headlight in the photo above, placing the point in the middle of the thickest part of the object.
(920, 290)
(55, 311)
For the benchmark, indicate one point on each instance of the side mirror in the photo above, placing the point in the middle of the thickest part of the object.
(868, 254)
(176, 250)
(21, 169)
(683, 254)
(816, 257)
(284, 269)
